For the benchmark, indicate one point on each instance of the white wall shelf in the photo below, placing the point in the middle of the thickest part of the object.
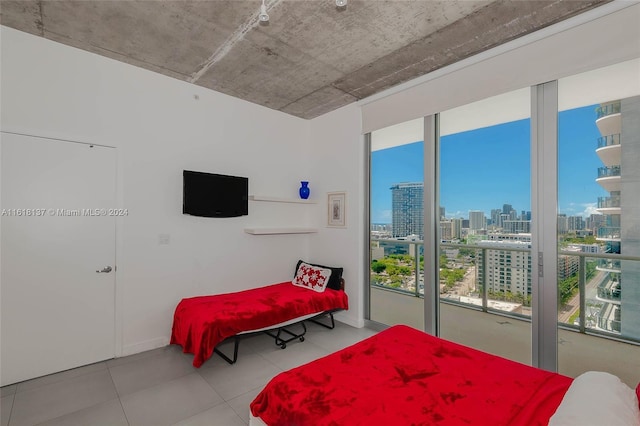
(280, 200)
(272, 231)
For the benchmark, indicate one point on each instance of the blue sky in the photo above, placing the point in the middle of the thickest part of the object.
(485, 168)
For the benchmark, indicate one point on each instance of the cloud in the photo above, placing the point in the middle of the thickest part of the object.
(589, 209)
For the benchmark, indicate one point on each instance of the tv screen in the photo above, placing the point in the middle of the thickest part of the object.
(213, 195)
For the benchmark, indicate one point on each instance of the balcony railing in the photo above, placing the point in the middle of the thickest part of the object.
(608, 171)
(604, 110)
(609, 202)
(609, 232)
(609, 265)
(608, 294)
(591, 296)
(411, 284)
(610, 140)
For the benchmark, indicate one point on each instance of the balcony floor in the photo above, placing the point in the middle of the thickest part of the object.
(511, 338)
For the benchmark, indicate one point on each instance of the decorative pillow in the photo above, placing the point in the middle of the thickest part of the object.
(638, 394)
(312, 277)
(336, 274)
(597, 398)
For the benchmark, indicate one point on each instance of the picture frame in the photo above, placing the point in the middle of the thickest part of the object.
(336, 209)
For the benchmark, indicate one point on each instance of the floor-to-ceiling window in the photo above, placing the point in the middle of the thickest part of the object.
(487, 273)
(485, 224)
(599, 220)
(397, 226)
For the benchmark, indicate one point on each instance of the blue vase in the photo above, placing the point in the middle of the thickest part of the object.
(304, 190)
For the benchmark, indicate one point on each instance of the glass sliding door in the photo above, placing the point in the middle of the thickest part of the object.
(599, 221)
(485, 225)
(397, 225)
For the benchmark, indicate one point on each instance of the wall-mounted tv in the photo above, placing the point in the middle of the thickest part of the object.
(213, 195)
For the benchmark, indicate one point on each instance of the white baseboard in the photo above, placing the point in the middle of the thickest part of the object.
(349, 320)
(147, 345)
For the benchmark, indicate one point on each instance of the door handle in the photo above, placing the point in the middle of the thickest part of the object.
(106, 269)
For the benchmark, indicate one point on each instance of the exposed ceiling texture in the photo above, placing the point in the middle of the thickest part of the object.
(311, 58)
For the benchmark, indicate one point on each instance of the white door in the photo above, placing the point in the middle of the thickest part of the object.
(56, 232)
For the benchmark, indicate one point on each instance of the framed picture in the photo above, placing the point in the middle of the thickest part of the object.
(336, 202)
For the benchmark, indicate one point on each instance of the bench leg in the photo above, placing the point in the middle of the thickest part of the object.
(235, 352)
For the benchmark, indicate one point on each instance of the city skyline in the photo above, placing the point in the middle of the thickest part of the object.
(495, 160)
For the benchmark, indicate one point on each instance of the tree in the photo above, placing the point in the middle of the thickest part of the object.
(466, 252)
(378, 267)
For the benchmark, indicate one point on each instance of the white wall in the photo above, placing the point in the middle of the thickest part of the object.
(338, 153)
(159, 129)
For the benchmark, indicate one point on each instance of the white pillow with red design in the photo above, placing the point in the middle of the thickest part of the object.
(312, 277)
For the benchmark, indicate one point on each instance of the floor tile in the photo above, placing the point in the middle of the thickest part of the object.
(57, 399)
(249, 372)
(108, 413)
(241, 403)
(8, 390)
(5, 409)
(170, 402)
(339, 338)
(145, 372)
(58, 377)
(220, 415)
(294, 355)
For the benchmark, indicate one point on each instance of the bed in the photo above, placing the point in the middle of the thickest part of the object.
(201, 323)
(402, 376)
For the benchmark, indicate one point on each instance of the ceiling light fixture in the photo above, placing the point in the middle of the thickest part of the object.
(341, 3)
(264, 16)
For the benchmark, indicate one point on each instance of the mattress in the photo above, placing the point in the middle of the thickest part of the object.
(201, 323)
(405, 376)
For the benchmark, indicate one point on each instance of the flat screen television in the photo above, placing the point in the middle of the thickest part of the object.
(213, 195)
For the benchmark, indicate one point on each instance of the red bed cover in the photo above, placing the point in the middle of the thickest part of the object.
(402, 376)
(201, 323)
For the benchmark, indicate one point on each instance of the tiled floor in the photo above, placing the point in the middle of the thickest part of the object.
(161, 387)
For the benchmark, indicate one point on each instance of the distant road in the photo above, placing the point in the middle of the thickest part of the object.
(574, 303)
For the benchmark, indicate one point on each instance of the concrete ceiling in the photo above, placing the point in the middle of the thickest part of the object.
(310, 59)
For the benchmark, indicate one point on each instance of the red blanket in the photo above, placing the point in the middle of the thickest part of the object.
(201, 323)
(402, 376)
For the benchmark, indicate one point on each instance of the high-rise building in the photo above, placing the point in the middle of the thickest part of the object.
(594, 222)
(456, 228)
(446, 230)
(442, 213)
(575, 223)
(563, 224)
(567, 264)
(407, 209)
(507, 271)
(477, 220)
(516, 226)
(506, 208)
(496, 221)
(619, 151)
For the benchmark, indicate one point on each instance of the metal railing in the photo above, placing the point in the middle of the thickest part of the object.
(609, 140)
(596, 317)
(398, 247)
(608, 109)
(609, 202)
(609, 265)
(608, 232)
(608, 171)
